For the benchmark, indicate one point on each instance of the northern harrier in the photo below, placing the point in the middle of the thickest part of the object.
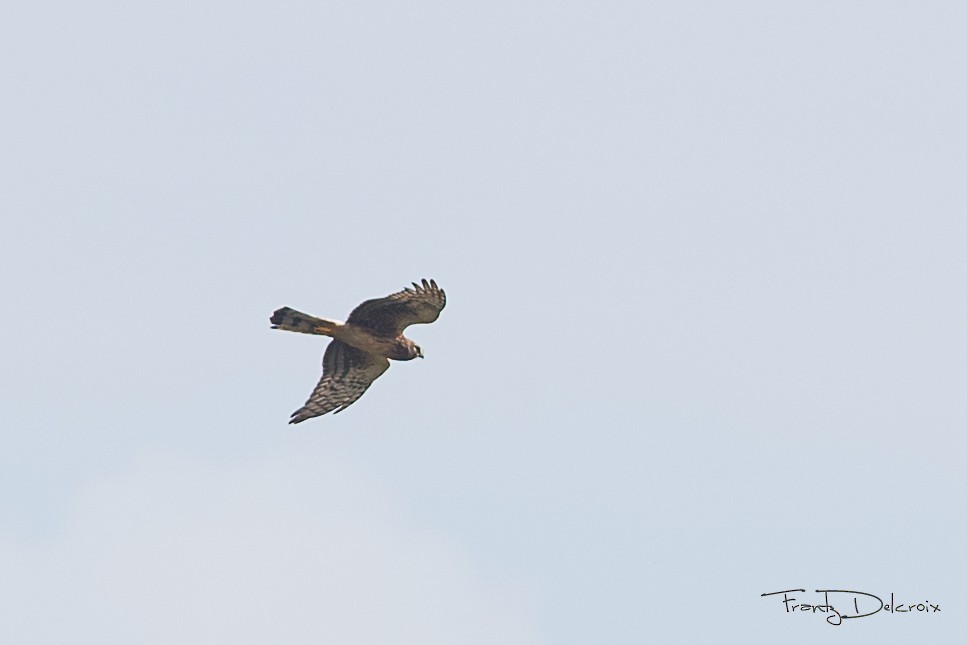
(358, 354)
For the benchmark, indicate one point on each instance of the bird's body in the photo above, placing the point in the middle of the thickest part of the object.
(361, 346)
(399, 348)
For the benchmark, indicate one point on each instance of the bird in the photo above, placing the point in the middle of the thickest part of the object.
(361, 347)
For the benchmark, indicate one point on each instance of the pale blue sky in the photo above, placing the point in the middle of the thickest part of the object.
(704, 340)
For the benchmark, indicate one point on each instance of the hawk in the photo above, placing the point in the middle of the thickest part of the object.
(361, 346)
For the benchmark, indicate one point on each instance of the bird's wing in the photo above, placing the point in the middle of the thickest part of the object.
(394, 313)
(346, 373)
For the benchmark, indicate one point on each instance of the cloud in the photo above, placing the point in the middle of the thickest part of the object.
(289, 549)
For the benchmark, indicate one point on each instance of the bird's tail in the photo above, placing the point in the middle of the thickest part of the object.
(292, 320)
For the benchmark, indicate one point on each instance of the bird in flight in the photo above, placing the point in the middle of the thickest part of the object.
(360, 347)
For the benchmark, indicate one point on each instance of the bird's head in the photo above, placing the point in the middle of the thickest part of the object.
(406, 350)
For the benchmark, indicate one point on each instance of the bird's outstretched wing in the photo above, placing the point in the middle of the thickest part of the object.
(394, 313)
(346, 373)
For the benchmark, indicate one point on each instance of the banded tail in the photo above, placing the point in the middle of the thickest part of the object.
(291, 320)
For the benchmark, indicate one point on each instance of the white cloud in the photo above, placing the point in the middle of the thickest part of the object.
(284, 550)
